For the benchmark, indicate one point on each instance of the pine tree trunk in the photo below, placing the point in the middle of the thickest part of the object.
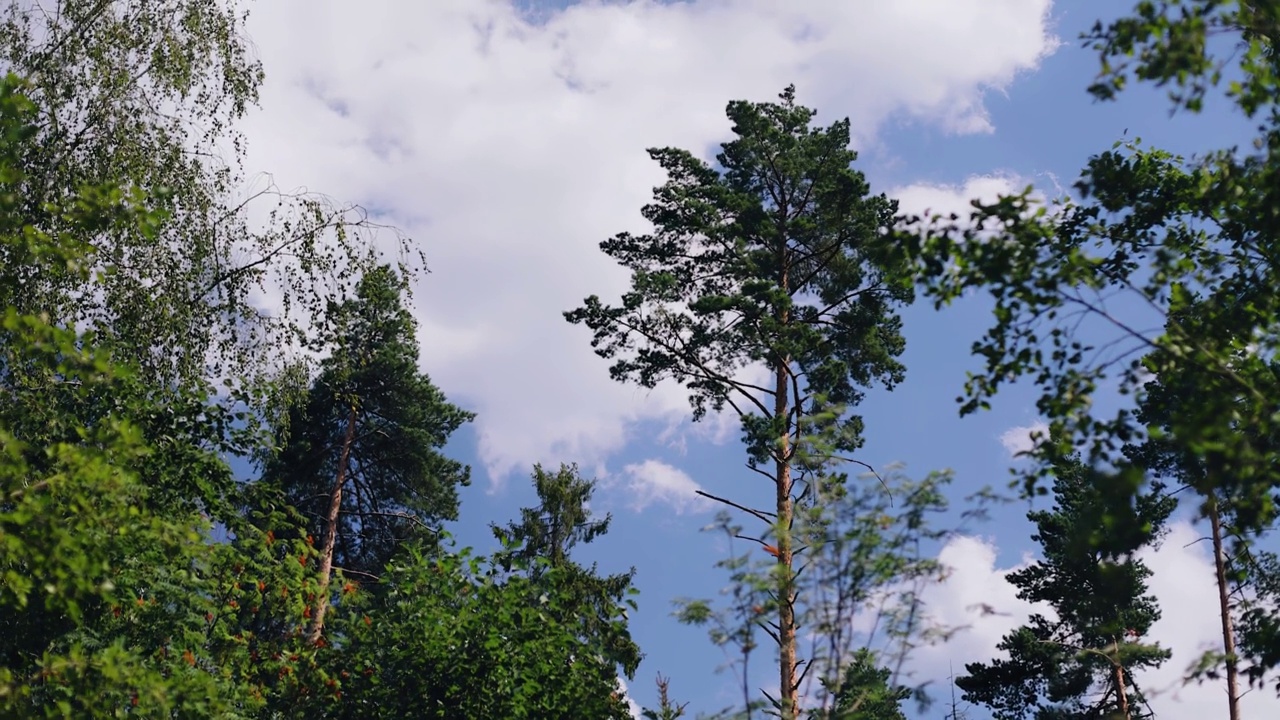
(331, 533)
(786, 594)
(1122, 694)
(788, 684)
(1224, 607)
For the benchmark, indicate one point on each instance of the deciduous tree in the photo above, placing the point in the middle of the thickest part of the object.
(865, 557)
(146, 94)
(451, 635)
(113, 601)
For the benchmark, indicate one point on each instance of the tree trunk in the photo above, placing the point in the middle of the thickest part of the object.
(788, 683)
(331, 533)
(1224, 607)
(1122, 694)
(788, 687)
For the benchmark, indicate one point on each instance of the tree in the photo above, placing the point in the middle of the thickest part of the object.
(776, 261)
(145, 94)
(452, 635)
(360, 451)
(1154, 228)
(1078, 662)
(561, 520)
(865, 558)
(667, 708)
(866, 693)
(1259, 618)
(542, 541)
(868, 552)
(112, 602)
(1166, 398)
(1188, 243)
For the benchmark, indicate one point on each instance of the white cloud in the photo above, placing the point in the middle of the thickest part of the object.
(654, 481)
(976, 601)
(929, 199)
(632, 706)
(1018, 440)
(1182, 580)
(510, 149)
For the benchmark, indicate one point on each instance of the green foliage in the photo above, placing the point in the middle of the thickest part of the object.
(1241, 570)
(1169, 43)
(865, 558)
(138, 578)
(561, 520)
(451, 635)
(397, 483)
(1191, 242)
(774, 257)
(866, 692)
(112, 599)
(541, 542)
(144, 94)
(1259, 620)
(1064, 666)
(1151, 231)
(868, 550)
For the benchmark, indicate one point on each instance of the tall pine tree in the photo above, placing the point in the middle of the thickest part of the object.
(777, 260)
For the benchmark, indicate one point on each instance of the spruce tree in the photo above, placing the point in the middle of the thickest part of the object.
(541, 542)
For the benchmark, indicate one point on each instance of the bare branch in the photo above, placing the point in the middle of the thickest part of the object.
(758, 513)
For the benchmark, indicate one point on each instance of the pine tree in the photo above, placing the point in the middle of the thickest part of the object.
(1077, 662)
(360, 453)
(778, 258)
(866, 693)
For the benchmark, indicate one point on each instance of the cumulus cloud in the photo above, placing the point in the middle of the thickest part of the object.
(975, 602)
(1019, 440)
(977, 596)
(653, 481)
(510, 146)
(929, 199)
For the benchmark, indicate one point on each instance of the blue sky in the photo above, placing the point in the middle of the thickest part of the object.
(509, 140)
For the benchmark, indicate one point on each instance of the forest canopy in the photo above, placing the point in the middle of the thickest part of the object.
(214, 508)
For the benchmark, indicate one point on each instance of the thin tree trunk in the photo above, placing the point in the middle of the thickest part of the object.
(786, 594)
(331, 533)
(788, 683)
(1224, 607)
